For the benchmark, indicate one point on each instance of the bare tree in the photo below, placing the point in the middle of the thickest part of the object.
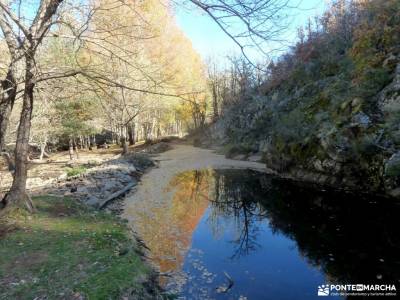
(259, 21)
(9, 84)
(250, 23)
(214, 82)
(28, 41)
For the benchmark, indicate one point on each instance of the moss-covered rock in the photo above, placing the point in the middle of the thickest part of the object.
(392, 166)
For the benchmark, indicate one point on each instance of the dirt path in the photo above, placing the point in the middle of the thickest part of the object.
(181, 158)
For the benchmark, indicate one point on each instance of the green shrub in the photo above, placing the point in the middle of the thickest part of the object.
(236, 149)
(141, 161)
(75, 171)
(392, 168)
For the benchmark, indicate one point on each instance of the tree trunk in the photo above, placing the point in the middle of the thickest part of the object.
(131, 134)
(17, 194)
(89, 144)
(43, 148)
(158, 131)
(8, 89)
(71, 149)
(117, 136)
(76, 148)
(122, 136)
(215, 102)
(124, 145)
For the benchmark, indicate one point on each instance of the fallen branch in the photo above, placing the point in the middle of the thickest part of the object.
(225, 288)
(116, 195)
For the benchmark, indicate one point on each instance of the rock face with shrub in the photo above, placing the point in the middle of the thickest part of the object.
(329, 111)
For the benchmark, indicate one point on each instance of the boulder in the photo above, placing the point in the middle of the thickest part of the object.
(317, 164)
(392, 165)
(331, 165)
(92, 201)
(395, 193)
(360, 120)
(82, 189)
(255, 157)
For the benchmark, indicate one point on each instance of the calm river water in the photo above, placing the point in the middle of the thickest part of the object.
(238, 234)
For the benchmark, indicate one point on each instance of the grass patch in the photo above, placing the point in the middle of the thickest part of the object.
(75, 171)
(66, 250)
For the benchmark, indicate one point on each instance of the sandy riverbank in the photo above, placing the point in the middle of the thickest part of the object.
(180, 158)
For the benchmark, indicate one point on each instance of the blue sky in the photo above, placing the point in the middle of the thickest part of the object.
(208, 39)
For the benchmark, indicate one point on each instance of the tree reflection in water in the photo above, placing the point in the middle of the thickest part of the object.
(350, 238)
(166, 224)
(235, 199)
(353, 238)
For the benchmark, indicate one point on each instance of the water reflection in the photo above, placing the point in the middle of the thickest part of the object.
(352, 237)
(276, 239)
(166, 224)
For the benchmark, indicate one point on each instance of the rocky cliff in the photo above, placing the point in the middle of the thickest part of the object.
(335, 118)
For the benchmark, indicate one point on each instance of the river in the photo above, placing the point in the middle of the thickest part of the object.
(227, 229)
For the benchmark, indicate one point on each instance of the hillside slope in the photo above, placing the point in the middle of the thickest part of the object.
(329, 111)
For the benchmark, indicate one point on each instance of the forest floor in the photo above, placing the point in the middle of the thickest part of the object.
(69, 250)
(42, 173)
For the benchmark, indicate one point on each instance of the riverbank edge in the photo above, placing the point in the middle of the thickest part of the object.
(147, 286)
(319, 180)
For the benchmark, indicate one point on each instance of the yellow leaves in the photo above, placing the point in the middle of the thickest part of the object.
(138, 44)
(84, 58)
